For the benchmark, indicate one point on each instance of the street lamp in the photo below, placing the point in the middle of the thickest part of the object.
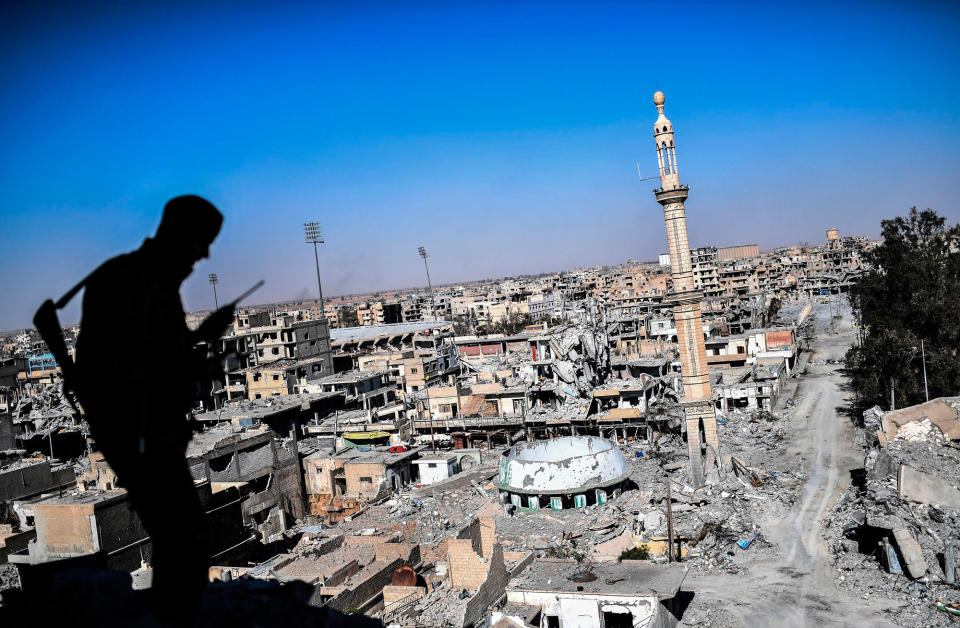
(213, 282)
(433, 308)
(315, 236)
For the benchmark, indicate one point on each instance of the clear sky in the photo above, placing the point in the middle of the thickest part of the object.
(504, 137)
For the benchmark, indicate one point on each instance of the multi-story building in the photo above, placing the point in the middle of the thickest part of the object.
(379, 313)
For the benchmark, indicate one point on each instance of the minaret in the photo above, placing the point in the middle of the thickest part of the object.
(697, 403)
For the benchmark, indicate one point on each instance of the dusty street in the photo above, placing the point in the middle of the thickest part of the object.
(797, 587)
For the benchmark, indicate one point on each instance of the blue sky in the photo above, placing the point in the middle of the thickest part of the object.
(501, 136)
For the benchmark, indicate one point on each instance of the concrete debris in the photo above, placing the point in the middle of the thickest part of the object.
(918, 430)
(894, 532)
(911, 552)
(924, 488)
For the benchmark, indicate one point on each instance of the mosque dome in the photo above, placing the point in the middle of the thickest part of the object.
(572, 464)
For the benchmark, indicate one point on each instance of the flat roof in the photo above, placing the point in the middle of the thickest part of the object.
(368, 332)
(82, 497)
(283, 364)
(353, 454)
(211, 438)
(628, 578)
(436, 459)
(261, 408)
(350, 377)
(492, 338)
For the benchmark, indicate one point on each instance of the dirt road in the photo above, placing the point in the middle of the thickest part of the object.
(798, 588)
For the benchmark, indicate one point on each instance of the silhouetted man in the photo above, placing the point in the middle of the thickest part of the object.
(139, 378)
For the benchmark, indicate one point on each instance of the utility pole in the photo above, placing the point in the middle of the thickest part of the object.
(315, 236)
(923, 353)
(213, 282)
(433, 438)
(456, 387)
(433, 307)
(670, 522)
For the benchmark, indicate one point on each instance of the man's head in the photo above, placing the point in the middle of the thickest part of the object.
(189, 226)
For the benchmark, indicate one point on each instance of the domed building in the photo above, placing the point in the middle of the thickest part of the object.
(569, 472)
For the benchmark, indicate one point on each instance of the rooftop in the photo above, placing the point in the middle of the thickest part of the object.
(83, 497)
(354, 454)
(351, 377)
(211, 438)
(284, 363)
(262, 408)
(627, 578)
(353, 334)
(435, 459)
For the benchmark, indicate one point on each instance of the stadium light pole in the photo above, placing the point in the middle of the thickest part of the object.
(315, 236)
(213, 282)
(433, 307)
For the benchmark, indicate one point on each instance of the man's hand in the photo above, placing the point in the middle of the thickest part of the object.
(216, 324)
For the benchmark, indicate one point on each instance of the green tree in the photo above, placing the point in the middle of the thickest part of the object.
(911, 294)
(772, 310)
(350, 317)
(464, 325)
(512, 324)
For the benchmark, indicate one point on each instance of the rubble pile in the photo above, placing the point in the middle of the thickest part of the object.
(444, 607)
(581, 357)
(895, 533)
(9, 578)
(46, 401)
(426, 520)
(755, 436)
(714, 526)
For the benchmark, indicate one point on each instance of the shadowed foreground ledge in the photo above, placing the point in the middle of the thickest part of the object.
(79, 592)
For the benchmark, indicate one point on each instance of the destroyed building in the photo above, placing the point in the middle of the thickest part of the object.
(893, 532)
(613, 595)
(85, 523)
(264, 472)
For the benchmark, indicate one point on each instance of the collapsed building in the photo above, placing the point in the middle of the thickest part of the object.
(894, 531)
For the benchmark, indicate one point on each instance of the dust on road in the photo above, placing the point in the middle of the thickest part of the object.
(797, 588)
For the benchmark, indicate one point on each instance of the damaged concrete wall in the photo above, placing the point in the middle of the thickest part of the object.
(492, 588)
(372, 579)
(64, 530)
(920, 487)
(25, 480)
(468, 569)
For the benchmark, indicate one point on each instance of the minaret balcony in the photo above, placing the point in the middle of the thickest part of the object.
(688, 297)
(673, 195)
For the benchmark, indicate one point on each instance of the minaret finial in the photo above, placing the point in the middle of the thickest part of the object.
(658, 100)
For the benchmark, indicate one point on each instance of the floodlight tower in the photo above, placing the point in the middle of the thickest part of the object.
(213, 282)
(433, 308)
(315, 236)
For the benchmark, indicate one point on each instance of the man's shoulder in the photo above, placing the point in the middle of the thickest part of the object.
(120, 267)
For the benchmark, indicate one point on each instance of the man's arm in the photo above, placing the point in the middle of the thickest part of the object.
(214, 326)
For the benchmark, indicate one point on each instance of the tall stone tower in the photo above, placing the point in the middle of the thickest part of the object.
(697, 404)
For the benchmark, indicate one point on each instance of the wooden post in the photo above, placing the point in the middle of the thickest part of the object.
(433, 438)
(456, 387)
(669, 522)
